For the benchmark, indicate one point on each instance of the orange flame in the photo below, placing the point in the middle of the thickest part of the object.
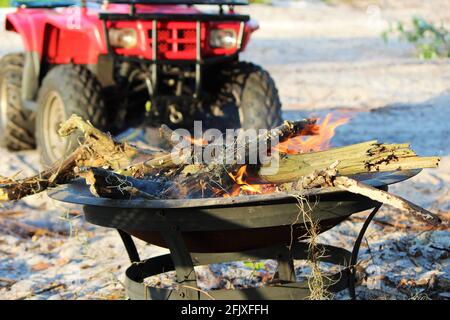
(197, 142)
(321, 141)
(323, 133)
(243, 186)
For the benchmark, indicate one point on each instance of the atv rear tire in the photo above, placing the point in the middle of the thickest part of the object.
(248, 97)
(66, 90)
(16, 123)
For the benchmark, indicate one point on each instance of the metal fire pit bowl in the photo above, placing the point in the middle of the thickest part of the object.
(214, 230)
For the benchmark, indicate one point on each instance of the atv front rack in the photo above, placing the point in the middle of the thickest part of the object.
(199, 18)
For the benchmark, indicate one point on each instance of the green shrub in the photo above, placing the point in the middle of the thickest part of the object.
(431, 41)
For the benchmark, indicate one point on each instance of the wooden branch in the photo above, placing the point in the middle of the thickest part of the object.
(351, 185)
(101, 149)
(107, 184)
(98, 150)
(59, 173)
(328, 178)
(396, 225)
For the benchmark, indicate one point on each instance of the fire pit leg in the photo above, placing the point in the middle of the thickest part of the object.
(180, 256)
(128, 242)
(286, 270)
(184, 267)
(355, 251)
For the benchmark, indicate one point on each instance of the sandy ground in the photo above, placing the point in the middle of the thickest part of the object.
(324, 58)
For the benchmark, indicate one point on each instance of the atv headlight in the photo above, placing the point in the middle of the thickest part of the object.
(223, 38)
(123, 38)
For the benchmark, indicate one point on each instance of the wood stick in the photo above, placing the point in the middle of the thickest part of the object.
(328, 177)
(351, 185)
(58, 174)
(9, 282)
(107, 184)
(98, 150)
(359, 158)
(400, 225)
(105, 151)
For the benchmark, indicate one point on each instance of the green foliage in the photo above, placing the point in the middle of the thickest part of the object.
(255, 265)
(4, 3)
(431, 41)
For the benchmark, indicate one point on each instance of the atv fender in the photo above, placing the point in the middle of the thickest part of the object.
(26, 28)
(48, 40)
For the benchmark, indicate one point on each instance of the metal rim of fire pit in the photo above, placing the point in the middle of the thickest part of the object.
(84, 197)
(171, 221)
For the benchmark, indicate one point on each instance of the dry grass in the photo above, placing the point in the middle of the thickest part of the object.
(316, 279)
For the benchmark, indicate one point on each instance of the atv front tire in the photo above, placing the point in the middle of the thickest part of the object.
(66, 90)
(16, 123)
(248, 97)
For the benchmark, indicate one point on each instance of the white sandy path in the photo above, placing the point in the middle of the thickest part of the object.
(326, 56)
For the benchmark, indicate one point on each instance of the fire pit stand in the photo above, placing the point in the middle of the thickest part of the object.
(285, 285)
(206, 231)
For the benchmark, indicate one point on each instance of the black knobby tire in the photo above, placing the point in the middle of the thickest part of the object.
(248, 97)
(71, 89)
(16, 123)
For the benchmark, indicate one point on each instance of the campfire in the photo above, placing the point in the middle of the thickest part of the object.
(311, 138)
(297, 157)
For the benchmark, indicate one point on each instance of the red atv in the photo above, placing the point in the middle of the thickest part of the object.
(122, 64)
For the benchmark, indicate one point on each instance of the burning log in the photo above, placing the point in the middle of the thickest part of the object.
(217, 174)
